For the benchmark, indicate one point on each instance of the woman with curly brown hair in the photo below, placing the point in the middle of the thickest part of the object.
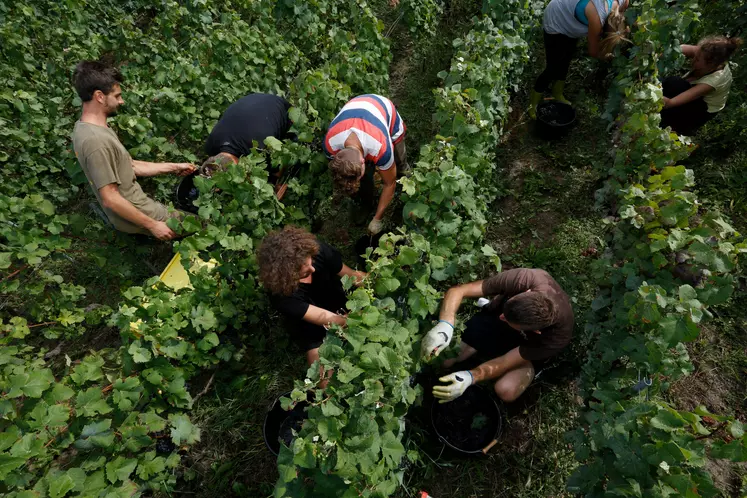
(366, 136)
(303, 276)
(692, 101)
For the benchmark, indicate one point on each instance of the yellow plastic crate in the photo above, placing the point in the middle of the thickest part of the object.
(176, 277)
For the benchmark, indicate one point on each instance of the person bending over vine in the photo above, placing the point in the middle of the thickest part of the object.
(366, 136)
(693, 100)
(244, 125)
(528, 321)
(303, 277)
(565, 21)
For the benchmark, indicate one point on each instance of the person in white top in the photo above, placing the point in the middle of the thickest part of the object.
(601, 22)
(693, 100)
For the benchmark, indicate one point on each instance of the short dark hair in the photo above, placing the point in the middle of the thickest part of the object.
(346, 171)
(530, 310)
(90, 76)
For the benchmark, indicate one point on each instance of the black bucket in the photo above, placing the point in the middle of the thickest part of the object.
(469, 425)
(186, 193)
(554, 119)
(280, 424)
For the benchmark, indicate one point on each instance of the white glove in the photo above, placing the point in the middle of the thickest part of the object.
(437, 339)
(375, 226)
(459, 382)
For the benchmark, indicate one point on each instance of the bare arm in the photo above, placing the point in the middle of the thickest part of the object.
(693, 93)
(689, 51)
(143, 168)
(389, 178)
(322, 317)
(453, 298)
(595, 32)
(357, 275)
(113, 200)
(498, 366)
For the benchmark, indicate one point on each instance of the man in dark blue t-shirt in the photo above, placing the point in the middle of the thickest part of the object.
(248, 120)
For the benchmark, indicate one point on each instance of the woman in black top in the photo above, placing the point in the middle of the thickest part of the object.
(303, 276)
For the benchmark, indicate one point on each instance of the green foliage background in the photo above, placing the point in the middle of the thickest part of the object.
(98, 424)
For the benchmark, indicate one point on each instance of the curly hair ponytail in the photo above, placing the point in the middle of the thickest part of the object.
(717, 50)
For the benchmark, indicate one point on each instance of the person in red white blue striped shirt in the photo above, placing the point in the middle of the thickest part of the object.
(367, 134)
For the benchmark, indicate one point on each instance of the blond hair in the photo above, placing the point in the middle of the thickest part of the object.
(346, 170)
(718, 49)
(616, 29)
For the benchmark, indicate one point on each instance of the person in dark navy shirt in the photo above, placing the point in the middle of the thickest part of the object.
(248, 120)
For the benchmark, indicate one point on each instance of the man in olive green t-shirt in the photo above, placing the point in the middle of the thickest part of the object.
(111, 171)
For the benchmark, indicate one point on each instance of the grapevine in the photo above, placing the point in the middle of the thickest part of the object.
(670, 261)
(351, 445)
(116, 421)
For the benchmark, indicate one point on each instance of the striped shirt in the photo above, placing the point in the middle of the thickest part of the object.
(376, 123)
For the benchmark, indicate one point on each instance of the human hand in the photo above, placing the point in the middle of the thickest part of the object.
(393, 3)
(161, 231)
(457, 383)
(375, 226)
(360, 276)
(666, 101)
(183, 169)
(437, 339)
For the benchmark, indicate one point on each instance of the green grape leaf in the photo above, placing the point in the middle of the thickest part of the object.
(208, 342)
(6, 259)
(8, 464)
(203, 318)
(120, 469)
(31, 384)
(59, 392)
(150, 466)
(392, 448)
(97, 434)
(60, 485)
(182, 430)
(89, 370)
(152, 421)
(139, 354)
(667, 420)
(90, 403)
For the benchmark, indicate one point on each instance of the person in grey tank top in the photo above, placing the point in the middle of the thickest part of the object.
(565, 21)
